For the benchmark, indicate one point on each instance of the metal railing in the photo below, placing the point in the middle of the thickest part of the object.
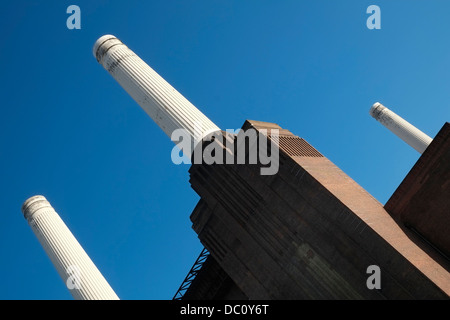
(191, 275)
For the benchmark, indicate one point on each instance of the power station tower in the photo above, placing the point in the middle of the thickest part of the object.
(308, 231)
(165, 105)
(81, 276)
(400, 127)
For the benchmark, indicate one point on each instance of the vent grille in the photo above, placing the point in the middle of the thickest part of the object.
(295, 146)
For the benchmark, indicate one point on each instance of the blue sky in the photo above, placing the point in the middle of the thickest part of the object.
(68, 131)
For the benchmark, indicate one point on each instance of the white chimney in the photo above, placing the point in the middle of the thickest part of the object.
(165, 105)
(400, 127)
(81, 276)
